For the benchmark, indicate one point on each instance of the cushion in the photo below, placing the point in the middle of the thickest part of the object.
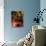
(20, 42)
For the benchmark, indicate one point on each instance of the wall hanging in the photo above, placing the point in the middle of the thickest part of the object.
(16, 19)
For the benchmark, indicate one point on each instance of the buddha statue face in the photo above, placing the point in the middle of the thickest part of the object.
(17, 15)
